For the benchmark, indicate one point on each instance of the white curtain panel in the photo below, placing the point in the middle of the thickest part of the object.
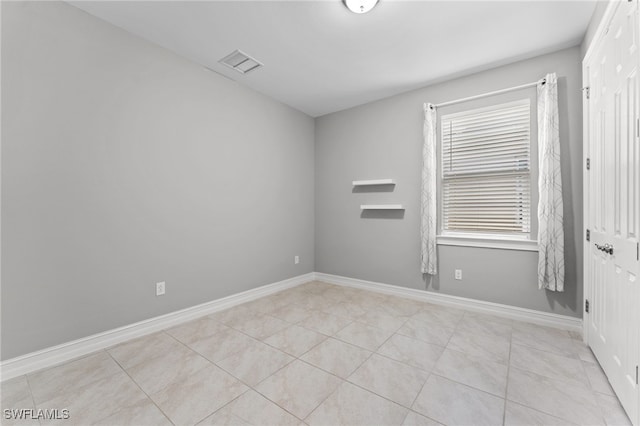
(429, 200)
(550, 230)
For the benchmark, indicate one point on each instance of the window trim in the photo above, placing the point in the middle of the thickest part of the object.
(487, 241)
(527, 242)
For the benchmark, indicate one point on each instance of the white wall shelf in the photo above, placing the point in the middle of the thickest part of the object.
(374, 182)
(381, 207)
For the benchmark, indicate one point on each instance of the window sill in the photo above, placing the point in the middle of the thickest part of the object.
(487, 242)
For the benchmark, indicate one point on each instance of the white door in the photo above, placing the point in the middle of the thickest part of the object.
(612, 210)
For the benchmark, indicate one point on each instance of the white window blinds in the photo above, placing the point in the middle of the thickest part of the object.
(486, 170)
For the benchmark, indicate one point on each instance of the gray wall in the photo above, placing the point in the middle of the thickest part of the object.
(123, 165)
(383, 140)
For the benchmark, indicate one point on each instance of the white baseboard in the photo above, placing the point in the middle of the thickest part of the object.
(54, 355)
(67, 351)
(506, 311)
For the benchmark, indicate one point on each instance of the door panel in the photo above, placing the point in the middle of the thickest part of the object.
(599, 313)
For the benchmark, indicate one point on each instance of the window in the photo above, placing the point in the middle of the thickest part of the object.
(486, 172)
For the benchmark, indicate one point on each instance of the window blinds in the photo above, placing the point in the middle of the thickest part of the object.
(486, 170)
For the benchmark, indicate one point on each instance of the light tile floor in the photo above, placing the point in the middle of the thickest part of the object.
(320, 354)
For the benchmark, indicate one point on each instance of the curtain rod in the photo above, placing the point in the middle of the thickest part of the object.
(496, 92)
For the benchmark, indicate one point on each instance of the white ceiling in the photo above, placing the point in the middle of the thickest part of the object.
(319, 58)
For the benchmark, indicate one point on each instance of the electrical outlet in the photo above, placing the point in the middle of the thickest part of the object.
(160, 288)
(296, 260)
(458, 274)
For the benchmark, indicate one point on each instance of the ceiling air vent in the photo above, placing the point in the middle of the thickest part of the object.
(240, 62)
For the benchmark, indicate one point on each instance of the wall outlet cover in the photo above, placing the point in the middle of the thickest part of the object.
(160, 287)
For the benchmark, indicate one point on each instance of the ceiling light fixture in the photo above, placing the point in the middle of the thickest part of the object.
(360, 6)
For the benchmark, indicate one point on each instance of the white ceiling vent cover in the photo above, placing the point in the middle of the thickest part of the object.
(240, 62)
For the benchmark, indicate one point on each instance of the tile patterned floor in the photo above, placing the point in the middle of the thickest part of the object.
(320, 354)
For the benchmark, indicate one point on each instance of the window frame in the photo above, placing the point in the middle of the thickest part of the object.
(491, 240)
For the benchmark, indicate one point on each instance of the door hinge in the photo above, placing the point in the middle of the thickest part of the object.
(638, 251)
(588, 235)
(586, 91)
(636, 374)
(588, 163)
(638, 127)
(586, 306)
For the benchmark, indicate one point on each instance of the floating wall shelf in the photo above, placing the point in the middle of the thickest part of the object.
(374, 182)
(381, 207)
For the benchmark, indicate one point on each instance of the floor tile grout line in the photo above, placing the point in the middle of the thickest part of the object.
(455, 328)
(538, 409)
(272, 401)
(81, 357)
(368, 358)
(577, 357)
(261, 380)
(508, 361)
(601, 370)
(260, 341)
(166, 330)
(325, 337)
(332, 335)
(564, 380)
(411, 410)
(563, 355)
(585, 382)
(506, 387)
(445, 348)
(239, 350)
(418, 394)
(139, 387)
(424, 340)
(221, 408)
(338, 340)
(75, 388)
(162, 331)
(228, 403)
(343, 380)
(33, 399)
(469, 386)
(254, 337)
(312, 347)
(267, 344)
(480, 359)
(420, 391)
(184, 377)
(362, 347)
(593, 391)
(192, 350)
(282, 368)
(430, 370)
(483, 354)
(480, 332)
(372, 392)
